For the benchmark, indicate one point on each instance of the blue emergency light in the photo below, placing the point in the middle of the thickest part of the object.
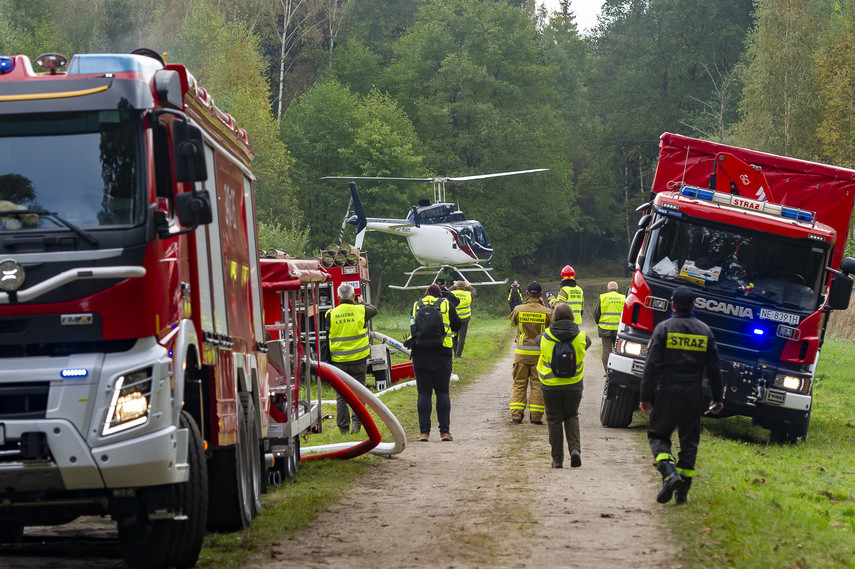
(74, 372)
(7, 64)
(758, 331)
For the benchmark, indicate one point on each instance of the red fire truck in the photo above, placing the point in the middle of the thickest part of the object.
(132, 362)
(760, 238)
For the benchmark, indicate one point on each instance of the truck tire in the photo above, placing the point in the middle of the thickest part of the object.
(254, 457)
(617, 406)
(229, 484)
(294, 460)
(782, 433)
(154, 544)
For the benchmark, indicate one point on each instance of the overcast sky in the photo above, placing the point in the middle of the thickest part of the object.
(586, 11)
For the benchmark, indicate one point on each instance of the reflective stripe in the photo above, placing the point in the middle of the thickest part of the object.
(347, 338)
(686, 472)
(348, 334)
(517, 405)
(664, 456)
(521, 348)
(611, 307)
(536, 408)
(349, 352)
(464, 309)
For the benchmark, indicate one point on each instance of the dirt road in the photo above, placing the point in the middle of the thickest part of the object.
(491, 499)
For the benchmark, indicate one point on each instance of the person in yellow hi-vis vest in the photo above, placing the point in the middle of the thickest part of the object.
(607, 316)
(464, 292)
(561, 383)
(347, 325)
(570, 293)
(531, 319)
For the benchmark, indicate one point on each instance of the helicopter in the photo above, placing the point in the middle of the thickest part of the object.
(438, 234)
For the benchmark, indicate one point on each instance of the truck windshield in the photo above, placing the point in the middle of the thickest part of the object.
(85, 167)
(736, 260)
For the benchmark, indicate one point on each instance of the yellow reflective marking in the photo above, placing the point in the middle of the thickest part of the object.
(233, 271)
(57, 95)
(690, 342)
(536, 317)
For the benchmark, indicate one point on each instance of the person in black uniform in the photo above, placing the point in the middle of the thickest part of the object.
(681, 349)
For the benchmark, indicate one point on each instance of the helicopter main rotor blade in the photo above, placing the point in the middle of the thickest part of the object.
(482, 176)
(375, 178)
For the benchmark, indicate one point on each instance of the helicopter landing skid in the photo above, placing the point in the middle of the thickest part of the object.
(436, 271)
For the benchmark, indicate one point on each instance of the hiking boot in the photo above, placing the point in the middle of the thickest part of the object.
(533, 422)
(355, 429)
(446, 437)
(423, 437)
(342, 431)
(575, 459)
(671, 481)
(516, 421)
(556, 464)
(681, 493)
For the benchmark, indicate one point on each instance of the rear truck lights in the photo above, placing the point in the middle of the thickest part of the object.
(792, 383)
(130, 402)
(7, 65)
(631, 348)
(660, 304)
(786, 212)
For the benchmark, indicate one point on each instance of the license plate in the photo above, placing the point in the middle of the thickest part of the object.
(774, 397)
(638, 367)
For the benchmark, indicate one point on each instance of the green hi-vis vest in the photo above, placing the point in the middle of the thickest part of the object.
(544, 364)
(348, 334)
(429, 300)
(611, 306)
(464, 309)
(573, 296)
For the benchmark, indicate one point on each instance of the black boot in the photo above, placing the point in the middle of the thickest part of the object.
(681, 493)
(671, 480)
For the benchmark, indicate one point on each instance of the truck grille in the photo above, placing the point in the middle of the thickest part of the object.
(23, 400)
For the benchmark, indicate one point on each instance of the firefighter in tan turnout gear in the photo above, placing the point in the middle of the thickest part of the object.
(531, 319)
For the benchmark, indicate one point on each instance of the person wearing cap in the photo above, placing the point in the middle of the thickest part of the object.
(530, 319)
(570, 293)
(347, 326)
(607, 316)
(446, 293)
(464, 292)
(514, 295)
(432, 367)
(680, 351)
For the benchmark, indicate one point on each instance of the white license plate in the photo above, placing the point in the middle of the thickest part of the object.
(774, 397)
(638, 367)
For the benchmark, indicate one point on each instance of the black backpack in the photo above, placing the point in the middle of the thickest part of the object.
(563, 359)
(428, 329)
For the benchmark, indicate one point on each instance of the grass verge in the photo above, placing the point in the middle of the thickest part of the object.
(318, 485)
(760, 505)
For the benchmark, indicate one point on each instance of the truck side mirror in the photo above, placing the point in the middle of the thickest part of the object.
(188, 153)
(841, 292)
(194, 208)
(848, 265)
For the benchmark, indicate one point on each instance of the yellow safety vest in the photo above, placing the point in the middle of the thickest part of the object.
(348, 336)
(573, 296)
(464, 309)
(446, 320)
(544, 364)
(611, 307)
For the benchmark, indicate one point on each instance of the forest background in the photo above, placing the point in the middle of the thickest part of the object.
(423, 88)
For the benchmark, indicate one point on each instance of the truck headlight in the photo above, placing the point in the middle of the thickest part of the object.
(792, 382)
(631, 348)
(130, 403)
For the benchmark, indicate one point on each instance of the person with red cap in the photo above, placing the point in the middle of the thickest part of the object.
(432, 322)
(570, 293)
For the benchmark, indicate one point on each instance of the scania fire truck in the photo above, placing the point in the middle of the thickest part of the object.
(132, 363)
(760, 239)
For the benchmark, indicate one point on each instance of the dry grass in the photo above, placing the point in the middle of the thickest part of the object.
(842, 322)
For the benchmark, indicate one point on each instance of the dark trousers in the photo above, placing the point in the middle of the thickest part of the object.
(608, 346)
(676, 406)
(562, 419)
(459, 338)
(433, 374)
(343, 412)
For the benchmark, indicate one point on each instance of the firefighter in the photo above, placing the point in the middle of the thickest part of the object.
(464, 293)
(681, 349)
(531, 319)
(514, 295)
(570, 293)
(347, 324)
(607, 316)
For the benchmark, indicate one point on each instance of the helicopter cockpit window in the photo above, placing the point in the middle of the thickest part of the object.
(464, 235)
(737, 259)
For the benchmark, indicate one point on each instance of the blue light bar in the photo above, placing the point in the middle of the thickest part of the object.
(797, 214)
(74, 372)
(699, 193)
(7, 64)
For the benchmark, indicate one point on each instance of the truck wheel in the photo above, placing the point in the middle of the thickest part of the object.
(148, 544)
(11, 533)
(782, 433)
(294, 459)
(229, 484)
(617, 406)
(256, 467)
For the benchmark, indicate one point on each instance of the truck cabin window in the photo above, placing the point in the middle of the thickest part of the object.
(740, 261)
(85, 167)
